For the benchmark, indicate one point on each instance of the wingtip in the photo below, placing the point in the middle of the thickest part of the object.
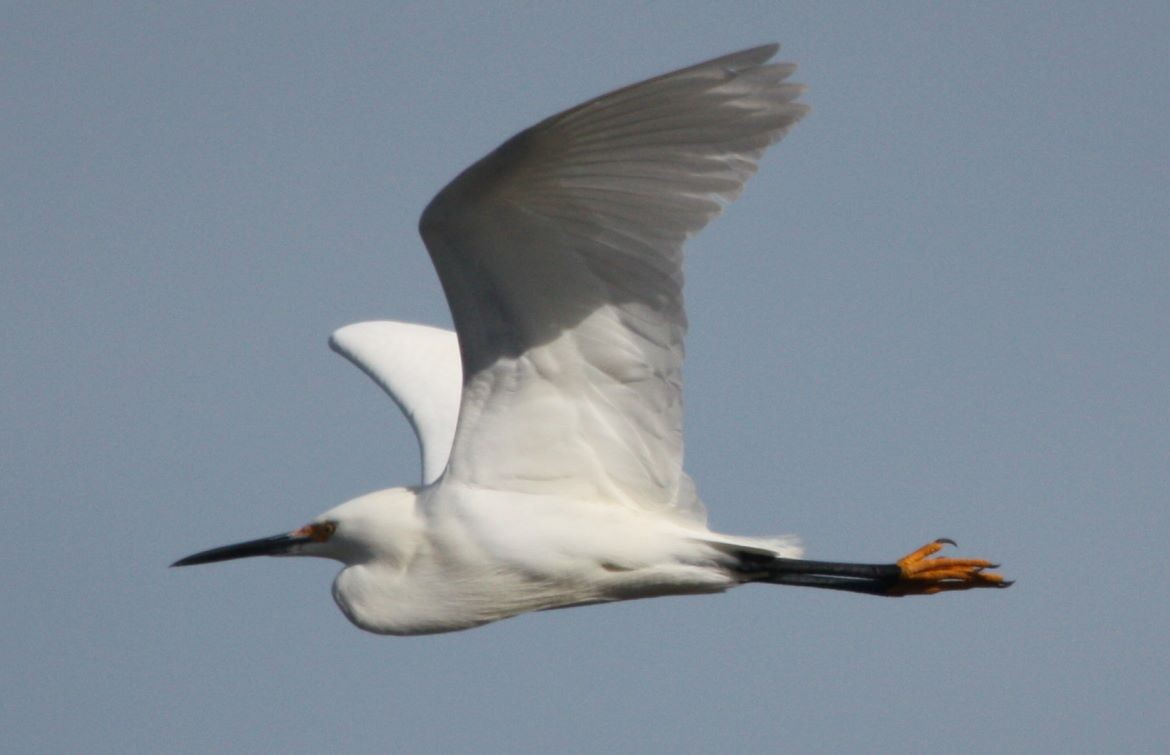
(339, 337)
(765, 51)
(746, 58)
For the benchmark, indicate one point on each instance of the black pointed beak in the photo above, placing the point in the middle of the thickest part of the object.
(265, 546)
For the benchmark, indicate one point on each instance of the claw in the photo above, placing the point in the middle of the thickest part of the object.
(947, 540)
(922, 575)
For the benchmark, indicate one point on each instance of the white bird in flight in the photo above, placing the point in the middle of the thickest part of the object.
(550, 422)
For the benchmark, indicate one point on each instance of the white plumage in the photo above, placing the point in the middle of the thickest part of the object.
(552, 434)
(418, 366)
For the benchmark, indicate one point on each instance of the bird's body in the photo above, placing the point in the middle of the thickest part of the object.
(551, 434)
(454, 556)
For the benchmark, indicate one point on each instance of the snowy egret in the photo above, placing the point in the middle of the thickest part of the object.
(551, 427)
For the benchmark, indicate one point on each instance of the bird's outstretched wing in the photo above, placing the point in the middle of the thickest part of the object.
(561, 257)
(419, 367)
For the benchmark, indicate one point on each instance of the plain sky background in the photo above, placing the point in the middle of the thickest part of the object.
(941, 309)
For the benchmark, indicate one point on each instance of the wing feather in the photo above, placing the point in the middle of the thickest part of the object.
(417, 366)
(561, 257)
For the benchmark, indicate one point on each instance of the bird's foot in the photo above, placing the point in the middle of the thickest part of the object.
(923, 575)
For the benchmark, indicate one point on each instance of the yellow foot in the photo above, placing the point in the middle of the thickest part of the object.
(922, 575)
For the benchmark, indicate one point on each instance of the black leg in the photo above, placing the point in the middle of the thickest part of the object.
(913, 574)
(870, 579)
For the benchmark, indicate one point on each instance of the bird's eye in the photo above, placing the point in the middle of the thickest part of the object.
(317, 531)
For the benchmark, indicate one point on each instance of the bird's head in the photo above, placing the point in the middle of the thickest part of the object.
(380, 526)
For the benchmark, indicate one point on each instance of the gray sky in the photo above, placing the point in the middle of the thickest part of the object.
(941, 309)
